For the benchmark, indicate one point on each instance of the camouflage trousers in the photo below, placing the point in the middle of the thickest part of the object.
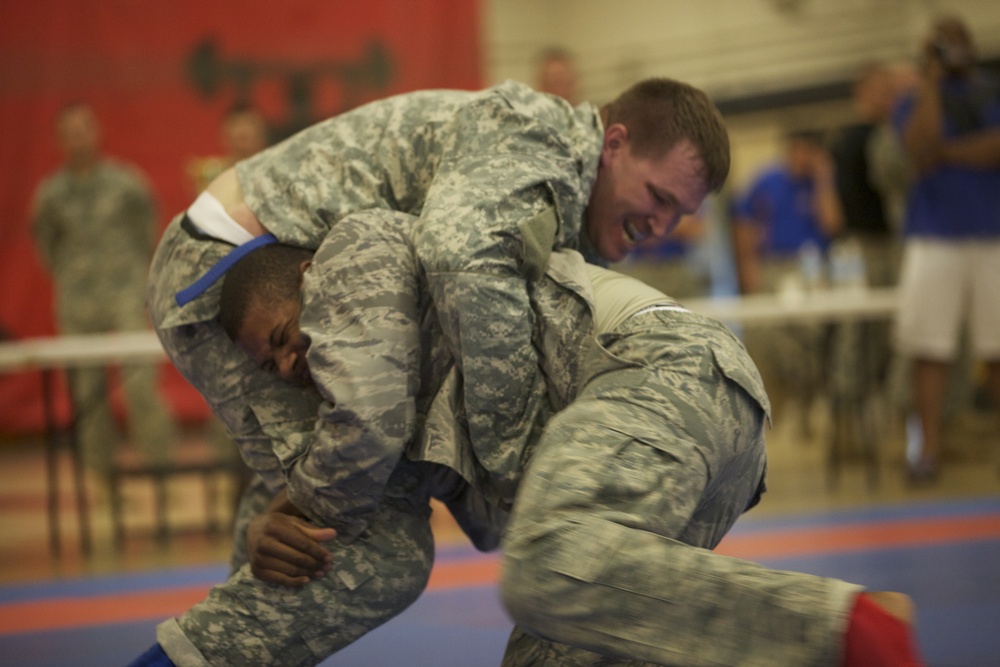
(606, 556)
(245, 621)
(150, 426)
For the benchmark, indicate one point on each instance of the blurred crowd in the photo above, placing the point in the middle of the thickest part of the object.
(904, 195)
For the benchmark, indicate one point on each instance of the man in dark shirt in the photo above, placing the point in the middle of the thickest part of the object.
(864, 211)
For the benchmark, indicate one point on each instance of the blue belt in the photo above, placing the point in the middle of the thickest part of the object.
(200, 286)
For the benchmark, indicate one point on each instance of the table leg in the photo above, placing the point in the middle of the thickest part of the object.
(52, 467)
(51, 459)
(79, 480)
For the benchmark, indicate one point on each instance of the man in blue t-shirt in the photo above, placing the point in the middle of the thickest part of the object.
(782, 227)
(951, 268)
(789, 205)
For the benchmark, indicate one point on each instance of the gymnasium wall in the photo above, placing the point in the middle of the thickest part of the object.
(161, 75)
(769, 64)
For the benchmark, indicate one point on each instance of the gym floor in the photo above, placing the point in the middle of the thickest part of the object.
(940, 543)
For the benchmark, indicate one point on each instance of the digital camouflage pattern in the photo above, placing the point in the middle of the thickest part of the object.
(382, 389)
(372, 579)
(380, 360)
(385, 155)
(631, 486)
(376, 355)
(498, 178)
(95, 234)
(657, 455)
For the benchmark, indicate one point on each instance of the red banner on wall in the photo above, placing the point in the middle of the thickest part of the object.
(160, 77)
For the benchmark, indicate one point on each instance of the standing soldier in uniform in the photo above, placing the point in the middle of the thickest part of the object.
(94, 222)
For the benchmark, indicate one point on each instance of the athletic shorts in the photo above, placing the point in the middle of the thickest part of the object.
(943, 285)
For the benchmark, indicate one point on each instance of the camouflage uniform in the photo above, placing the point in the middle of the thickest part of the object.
(670, 401)
(95, 234)
(379, 358)
(607, 548)
(498, 178)
(490, 204)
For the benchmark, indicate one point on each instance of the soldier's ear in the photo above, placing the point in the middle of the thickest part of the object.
(615, 136)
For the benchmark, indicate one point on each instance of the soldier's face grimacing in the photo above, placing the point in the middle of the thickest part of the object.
(636, 198)
(270, 335)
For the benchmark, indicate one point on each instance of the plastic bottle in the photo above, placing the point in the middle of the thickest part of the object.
(847, 264)
(811, 265)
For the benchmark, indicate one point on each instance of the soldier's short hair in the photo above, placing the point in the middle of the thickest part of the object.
(72, 106)
(268, 275)
(661, 112)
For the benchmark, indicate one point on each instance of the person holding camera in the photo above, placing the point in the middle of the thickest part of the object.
(951, 131)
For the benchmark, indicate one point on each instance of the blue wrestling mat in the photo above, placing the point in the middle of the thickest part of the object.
(943, 554)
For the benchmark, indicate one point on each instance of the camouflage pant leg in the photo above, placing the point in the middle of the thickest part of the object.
(97, 432)
(628, 488)
(860, 357)
(588, 561)
(248, 622)
(792, 355)
(150, 425)
(580, 570)
(149, 422)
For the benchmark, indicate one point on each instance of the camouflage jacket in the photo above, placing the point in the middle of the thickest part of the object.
(498, 179)
(95, 232)
(389, 382)
(391, 389)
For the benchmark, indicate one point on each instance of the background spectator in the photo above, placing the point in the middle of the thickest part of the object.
(94, 223)
(782, 227)
(242, 133)
(951, 131)
(557, 74)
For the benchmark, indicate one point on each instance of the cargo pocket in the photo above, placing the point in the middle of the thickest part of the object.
(737, 366)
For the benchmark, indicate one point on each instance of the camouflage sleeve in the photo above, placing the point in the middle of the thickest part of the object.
(361, 311)
(44, 226)
(487, 226)
(271, 421)
(141, 211)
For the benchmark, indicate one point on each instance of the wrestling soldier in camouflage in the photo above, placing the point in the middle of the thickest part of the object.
(382, 554)
(498, 178)
(660, 452)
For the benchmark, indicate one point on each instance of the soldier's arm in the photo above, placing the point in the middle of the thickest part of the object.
(487, 226)
(749, 220)
(284, 547)
(922, 124)
(45, 227)
(362, 314)
(140, 212)
(979, 150)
